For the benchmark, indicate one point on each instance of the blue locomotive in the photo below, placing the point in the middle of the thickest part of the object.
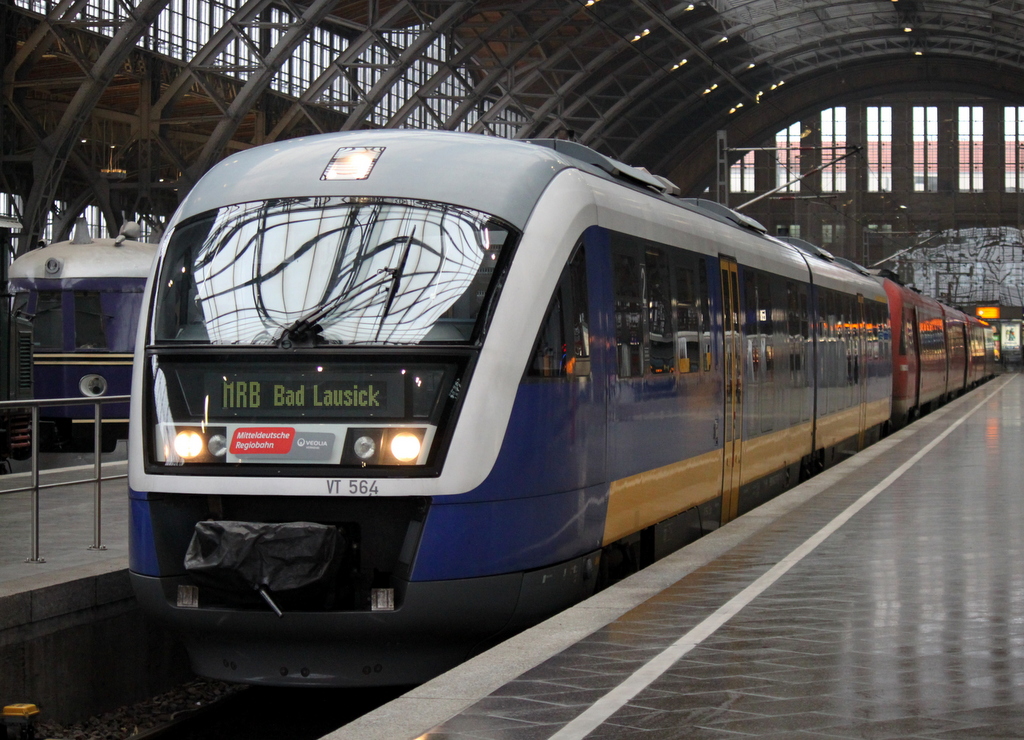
(84, 298)
(400, 393)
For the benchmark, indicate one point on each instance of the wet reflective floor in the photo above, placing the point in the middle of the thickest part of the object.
(902, 619)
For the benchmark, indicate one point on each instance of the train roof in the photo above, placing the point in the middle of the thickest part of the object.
(495, 176)
(100, 258)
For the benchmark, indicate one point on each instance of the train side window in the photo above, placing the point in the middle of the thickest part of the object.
(89, 321)
(629, 304)
(907, 335)
(563, 347)
(687, 321)
(705, 312)
(750, 325)
(48, 323)
(662, 356)
(767, 321)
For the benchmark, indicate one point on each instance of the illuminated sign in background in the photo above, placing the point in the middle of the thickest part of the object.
(987, 312)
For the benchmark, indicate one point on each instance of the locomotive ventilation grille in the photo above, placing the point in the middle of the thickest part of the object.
(24, 360)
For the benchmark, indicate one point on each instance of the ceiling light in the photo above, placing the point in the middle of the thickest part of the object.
(751, 65)
(907, 29)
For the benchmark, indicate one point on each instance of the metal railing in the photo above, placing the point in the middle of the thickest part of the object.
(97, 479)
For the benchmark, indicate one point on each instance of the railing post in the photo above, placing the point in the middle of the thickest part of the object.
(97, 443)
(34, 557)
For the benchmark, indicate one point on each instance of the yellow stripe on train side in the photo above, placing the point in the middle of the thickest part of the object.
(767, 453)
(653, 496)
(837, 427)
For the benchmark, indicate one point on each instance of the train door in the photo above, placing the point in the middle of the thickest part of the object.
(733, 368)
(860, 368)
(914, 341)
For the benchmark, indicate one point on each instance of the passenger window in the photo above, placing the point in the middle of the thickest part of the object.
(628, 315)
(705, 312)
(48, 323)
(687, 321)
(563, 347)
(659, 319)
(89, 321)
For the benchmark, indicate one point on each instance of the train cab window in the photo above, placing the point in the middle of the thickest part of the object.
(687, 321)
(89, 321)
(629, 310)
(48, 323)
(332, 271)
(563, 347)
(662, 356)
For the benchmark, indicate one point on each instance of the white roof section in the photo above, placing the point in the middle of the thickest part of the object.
(99, 259)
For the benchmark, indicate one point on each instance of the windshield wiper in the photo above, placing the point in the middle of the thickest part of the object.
(396, 278)
(305, 331)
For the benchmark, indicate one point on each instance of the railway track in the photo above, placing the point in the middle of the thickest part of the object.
(267, 712)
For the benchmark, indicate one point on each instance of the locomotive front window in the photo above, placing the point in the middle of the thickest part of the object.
(331, 271)
(48, 321)
(89, 321)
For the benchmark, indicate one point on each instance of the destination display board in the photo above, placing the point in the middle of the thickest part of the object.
(264, 395)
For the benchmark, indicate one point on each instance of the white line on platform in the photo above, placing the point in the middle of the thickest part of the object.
(615, 699)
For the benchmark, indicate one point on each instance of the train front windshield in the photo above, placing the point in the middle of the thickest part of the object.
(318, 331)
(337, 270)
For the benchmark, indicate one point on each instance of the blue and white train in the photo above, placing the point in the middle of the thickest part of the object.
(400, 393)
(84, 297)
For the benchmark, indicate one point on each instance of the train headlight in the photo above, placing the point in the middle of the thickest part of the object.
(92, 385)
(351, 163)
(405, 447)
(188, 445)
(365, 447)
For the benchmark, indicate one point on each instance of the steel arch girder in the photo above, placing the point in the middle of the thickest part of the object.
(442, 24)
(561, 92)
(224, 35)
(338, 67)
(256, 85)
(481, 89)
(52, 154)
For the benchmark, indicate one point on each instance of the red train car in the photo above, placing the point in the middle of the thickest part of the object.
(937, 351)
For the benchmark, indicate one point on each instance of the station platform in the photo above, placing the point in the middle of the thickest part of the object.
(882, 599)
(66, 522)
(73, 640)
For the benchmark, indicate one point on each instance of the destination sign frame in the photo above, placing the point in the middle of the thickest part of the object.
(263, 394)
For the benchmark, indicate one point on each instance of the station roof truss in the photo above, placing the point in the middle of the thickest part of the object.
(112, 103)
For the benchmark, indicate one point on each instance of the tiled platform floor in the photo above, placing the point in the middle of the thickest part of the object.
(66, 524)
(906, 622)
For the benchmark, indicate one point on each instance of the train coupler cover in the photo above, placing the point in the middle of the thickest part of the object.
(283, 557)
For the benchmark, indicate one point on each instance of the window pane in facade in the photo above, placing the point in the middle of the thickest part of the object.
(1013, 139)
(833, 144)
(787, 157)
(879, 136)
(741, 175)
(833, 236)
(926, 141)
(971, 143)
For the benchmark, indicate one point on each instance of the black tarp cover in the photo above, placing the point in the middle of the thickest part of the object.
(255, 555)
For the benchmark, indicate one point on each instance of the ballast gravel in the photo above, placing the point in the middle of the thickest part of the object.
(135, 719)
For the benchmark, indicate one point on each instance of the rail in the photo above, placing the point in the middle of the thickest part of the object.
(97, 479)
